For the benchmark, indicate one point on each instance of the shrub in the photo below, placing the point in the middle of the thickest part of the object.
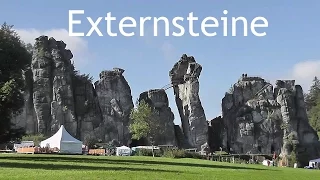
(179, 153)
(193, 155)
(37, 138)
(148, 152)
(174, 153)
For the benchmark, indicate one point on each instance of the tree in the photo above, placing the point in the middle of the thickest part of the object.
(14, 59)
(311, 97)
(144, 123)
(314, 115)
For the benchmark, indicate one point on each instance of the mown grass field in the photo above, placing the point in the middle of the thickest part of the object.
(46, 167)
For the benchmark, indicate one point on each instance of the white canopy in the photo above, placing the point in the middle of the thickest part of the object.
(314, 162)
(64, 142)
(123, 151)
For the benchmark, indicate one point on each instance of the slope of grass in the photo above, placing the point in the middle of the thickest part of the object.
(102, 167)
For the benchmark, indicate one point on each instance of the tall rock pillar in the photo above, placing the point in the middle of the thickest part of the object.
(184, 78)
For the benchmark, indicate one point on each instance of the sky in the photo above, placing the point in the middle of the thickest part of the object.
(290, 49)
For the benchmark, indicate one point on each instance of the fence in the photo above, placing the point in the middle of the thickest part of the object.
(26, 150)
(97, 152)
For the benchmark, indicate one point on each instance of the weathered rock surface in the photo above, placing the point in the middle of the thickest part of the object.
(27, 118)
(115, 102)
(52, 86)
(215, 134)
(184, 78)
(258, 118)
(158, 100)
(87, 108)
(57, 95)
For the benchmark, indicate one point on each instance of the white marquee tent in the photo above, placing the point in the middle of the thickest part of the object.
(314, 162)
(123, 151)
(64, 142)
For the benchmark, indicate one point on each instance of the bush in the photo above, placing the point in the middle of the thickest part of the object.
(148, 152)
(174, 153)
(193, 155)
(179, 153)
(37, 138)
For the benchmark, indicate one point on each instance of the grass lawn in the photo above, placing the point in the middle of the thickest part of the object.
(62, 167)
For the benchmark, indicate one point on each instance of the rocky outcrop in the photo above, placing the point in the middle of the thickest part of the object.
(88, 111)
(158, 101)
(52, 86)
(184, 79)
(258, 118)
(27, 118)
(58, 95)
(298, 136)
(115, 102)
(215, 134)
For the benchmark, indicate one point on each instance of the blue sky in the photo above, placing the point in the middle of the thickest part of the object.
(290, 49)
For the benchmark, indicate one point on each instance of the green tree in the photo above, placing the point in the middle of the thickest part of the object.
(314, 115)
(14, 59)
(314, 92)
(144, 124)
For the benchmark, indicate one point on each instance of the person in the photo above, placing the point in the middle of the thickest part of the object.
(268, 163)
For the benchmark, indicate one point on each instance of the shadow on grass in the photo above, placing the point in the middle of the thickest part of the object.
(76, 167)
(82, 159)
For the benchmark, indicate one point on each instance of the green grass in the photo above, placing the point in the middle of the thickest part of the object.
(14, 166)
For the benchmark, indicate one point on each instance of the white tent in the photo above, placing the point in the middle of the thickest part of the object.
(314, 162)
(123, 151)
(64, 142)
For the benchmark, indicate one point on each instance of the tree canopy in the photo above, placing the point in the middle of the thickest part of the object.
(144, 123)
(14, 60)
(312, 100)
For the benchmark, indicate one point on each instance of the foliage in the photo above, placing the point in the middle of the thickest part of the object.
(144, 124)
(292, 159)
(14, 59)
(174, 153)
(312, 100)
(148, 152)
(37, 138)
(78, 77)
(231, 89)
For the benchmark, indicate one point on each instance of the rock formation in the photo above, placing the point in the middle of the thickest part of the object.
(52, 86)
(215, 134)
(57, 95)
(158, 100)
(115, 101)
(258, 118)
(184, 78)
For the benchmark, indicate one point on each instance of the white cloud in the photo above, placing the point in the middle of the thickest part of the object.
(77, 45)
(304, 72)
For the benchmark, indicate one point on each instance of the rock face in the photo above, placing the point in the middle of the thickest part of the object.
(88, 111)
(115, 101)
(258, 118)
(58, 95)
(52, 86)
(215, 134)
(27, 118)
(157, 99)
(184, 78)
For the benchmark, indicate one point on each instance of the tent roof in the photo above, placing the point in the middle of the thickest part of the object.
(123, 147)
(62, 135)
(315, 160)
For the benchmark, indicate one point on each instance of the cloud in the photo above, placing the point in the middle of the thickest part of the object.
(304, 72)
(77, 45)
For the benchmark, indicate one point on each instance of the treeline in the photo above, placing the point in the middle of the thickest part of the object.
(312, 99)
